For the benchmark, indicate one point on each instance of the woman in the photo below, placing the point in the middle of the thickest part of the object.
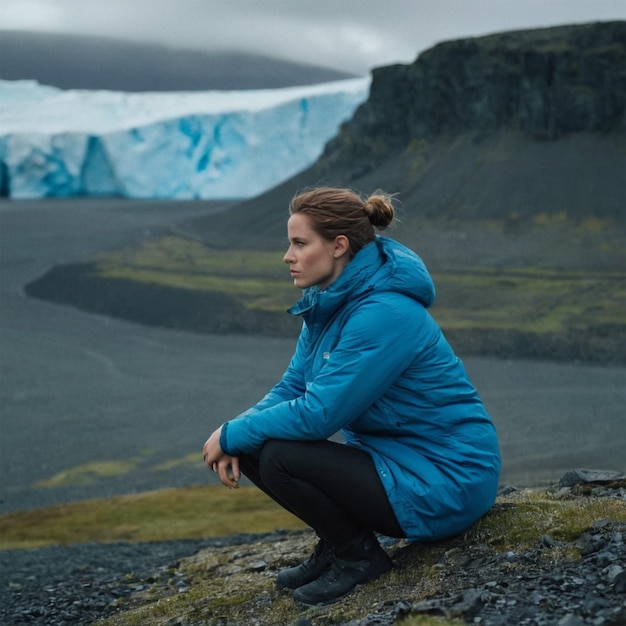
(420, 458)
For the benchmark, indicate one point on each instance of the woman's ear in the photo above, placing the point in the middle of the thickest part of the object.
(342, 246)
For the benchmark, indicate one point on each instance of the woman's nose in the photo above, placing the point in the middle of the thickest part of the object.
(288, 258)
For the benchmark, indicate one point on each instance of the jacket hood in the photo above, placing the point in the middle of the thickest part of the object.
(383, 265)
(406, 272)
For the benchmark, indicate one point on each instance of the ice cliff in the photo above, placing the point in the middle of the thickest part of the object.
(214, 144)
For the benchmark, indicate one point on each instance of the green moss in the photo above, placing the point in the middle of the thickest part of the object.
(532, 300)
(88, 473)
(485, 310)
(189, 459)
(257, 278)
(194, 512)
(515, 522)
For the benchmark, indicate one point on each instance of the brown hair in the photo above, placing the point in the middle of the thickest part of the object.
(335, 212)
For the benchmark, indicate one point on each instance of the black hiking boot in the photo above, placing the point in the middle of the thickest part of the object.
(308, 571)
(359, 562)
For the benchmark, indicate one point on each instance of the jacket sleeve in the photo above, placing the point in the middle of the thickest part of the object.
(377, 343)
(290, 386)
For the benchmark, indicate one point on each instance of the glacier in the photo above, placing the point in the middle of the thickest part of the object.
(180, 145)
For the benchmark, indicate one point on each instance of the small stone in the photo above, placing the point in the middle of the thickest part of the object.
(578, 476)
(549, 542)
(612, 571)
(258, 566)
(606, 558)
(571, 620)
(619, 582)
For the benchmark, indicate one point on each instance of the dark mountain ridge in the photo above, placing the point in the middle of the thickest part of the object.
(508, 126)
(80, 62)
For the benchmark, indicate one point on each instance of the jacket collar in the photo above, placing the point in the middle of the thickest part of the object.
(384, 265)
(317, 306)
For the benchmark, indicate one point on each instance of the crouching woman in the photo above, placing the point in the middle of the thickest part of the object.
(420, 456)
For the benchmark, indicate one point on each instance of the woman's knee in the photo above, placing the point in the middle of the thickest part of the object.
(271, 450)
(269, 455)
(280, 458)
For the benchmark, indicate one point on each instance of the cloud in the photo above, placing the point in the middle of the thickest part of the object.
(31, 14)
(353, 35)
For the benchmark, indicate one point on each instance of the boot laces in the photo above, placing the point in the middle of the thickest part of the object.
(318, 553)
(332, 572)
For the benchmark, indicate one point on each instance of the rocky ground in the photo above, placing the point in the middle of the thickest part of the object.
(565, 583)
(528, 588)
(77, 584)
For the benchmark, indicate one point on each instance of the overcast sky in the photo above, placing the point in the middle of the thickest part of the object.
(351, 35)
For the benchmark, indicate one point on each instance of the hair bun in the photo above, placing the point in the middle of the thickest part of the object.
(379, 209)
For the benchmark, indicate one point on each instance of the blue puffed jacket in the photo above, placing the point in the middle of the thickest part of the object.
(371, 361)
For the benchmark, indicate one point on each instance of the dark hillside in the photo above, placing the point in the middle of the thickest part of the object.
(79, 62)
(518, 125)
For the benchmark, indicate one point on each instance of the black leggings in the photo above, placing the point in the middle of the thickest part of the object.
(332, 487)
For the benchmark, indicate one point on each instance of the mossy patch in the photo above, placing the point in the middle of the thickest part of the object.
(88, 473)
(257, 278)
(515, 522)
(188, 459)
(532, 300)
(549, 287)
(191, 513)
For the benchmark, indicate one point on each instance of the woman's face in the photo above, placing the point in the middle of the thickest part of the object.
(312, 259)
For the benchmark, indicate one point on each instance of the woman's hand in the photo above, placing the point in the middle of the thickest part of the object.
(226, 466)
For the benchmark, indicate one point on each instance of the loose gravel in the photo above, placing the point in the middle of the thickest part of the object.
(80, 583)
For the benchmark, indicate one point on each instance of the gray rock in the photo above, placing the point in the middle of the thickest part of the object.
(578, 476)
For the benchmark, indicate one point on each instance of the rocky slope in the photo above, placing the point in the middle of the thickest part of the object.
(531, 560)
(543, 83)
(519, 124)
